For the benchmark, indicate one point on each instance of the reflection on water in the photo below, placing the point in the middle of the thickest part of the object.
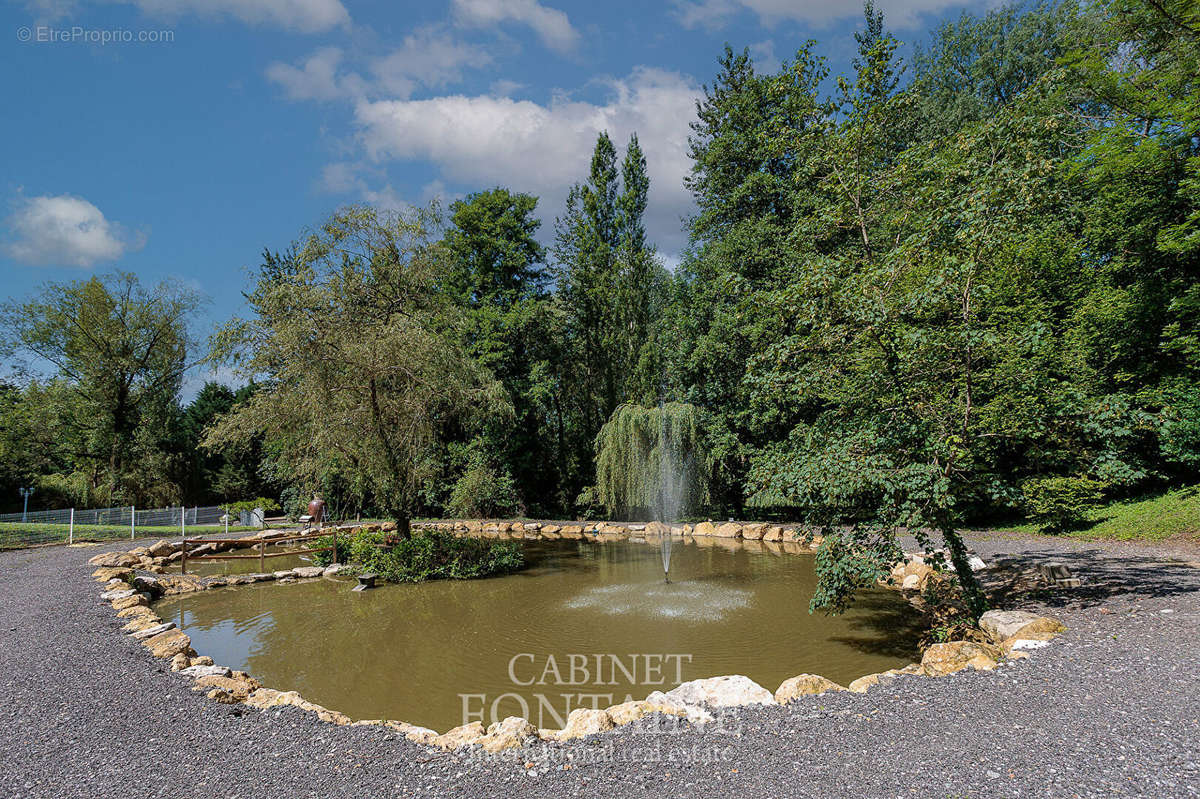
(502, 646)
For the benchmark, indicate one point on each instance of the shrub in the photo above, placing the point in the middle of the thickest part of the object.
(426, 555)
(1061, 503)
(268, 505)
(483, 492)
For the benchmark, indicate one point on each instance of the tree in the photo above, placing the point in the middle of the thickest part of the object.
(498, 279)
(610, 286)
(362, 371)
(121, 349)
(653, 461)
(751, 148)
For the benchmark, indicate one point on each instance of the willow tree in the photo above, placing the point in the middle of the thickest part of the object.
(356, 349)
(652, 460)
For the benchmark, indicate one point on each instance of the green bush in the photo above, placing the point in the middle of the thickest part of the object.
(426, 555)
(484, 493)
(1061, 503)
(268, 505)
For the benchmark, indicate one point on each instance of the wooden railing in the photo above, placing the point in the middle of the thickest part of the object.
(261, 545)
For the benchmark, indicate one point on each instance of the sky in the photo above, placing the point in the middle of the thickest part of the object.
(178, 138)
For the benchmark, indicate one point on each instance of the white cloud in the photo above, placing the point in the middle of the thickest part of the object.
(897, 13)
(429, 57)
(551, 25)
(305, 16)
(64, 230)
(765, 59)
(316, 78)
(543, 149)
(504, 87)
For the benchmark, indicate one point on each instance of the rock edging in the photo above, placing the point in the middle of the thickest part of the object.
(129, 591)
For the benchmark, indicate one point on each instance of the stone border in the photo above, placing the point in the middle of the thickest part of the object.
(133, 579)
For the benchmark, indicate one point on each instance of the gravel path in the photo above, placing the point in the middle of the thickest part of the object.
(1110, 709)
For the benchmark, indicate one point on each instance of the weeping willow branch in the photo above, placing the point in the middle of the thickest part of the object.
(653, 460)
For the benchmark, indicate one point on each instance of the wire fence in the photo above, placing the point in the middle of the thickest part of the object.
(69, 525)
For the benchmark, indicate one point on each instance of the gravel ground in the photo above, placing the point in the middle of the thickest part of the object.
(1110, 709)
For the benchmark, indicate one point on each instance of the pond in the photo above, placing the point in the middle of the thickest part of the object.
(586, 624)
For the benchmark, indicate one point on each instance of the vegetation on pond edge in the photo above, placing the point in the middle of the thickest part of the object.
(425, 555)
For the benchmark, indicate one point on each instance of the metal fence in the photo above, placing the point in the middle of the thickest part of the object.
(68, 525)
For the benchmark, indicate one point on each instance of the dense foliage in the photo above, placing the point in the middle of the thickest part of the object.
(425, 555)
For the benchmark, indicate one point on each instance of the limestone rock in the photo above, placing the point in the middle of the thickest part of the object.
(146, 582)
(627, 712)
(465, 735)
(283, 574)
(161, 549)
(947, 658)
(726, 691)
(205, 671)
(754, 532)
(866, 682)
(584, 721)
(266, 698)
(180, 583)
(421, 735)
(180, 662)
(1003, 624)
(773, 533)
(150, 632)
(804, 685)
(143, 622)
(240, 690)
(114, 560)
(222, 696)
(169, 644)
(704, 528)
(332, 569)
(728, 530)
(309, 571)
(132, 600)
(119, 593)
(136, 611)
(203, 660)
(511, 733)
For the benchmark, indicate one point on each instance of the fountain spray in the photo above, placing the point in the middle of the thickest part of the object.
(664, 477)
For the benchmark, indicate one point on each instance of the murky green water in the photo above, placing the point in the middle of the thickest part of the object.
(588, 624)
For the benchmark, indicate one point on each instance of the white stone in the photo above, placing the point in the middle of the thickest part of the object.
(283, 574)
(1003, 624)
(308, 571)
(976, 563)
(205, 671)
(109, 596)
(332, 569)
(732, 690)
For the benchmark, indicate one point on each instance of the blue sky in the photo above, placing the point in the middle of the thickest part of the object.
(240, 122)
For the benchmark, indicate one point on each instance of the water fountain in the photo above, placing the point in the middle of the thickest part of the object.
(670, 486)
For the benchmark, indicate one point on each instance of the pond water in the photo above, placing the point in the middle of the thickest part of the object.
(587, 624)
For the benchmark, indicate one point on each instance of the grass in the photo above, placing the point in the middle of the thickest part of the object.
(14, 535)
(1175, 514)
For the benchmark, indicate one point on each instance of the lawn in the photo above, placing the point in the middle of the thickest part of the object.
(1175, 514)
(14, 535)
